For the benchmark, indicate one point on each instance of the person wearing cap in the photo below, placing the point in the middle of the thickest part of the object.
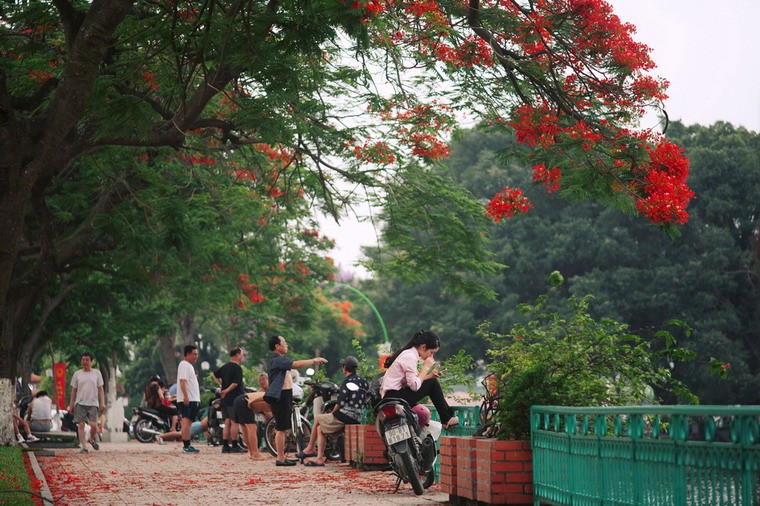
(352, 397)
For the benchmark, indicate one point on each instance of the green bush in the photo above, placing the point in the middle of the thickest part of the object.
(567, 358)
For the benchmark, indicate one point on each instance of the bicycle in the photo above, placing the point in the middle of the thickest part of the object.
(297, 438)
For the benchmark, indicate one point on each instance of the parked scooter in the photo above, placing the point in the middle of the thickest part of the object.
(146, 424)
(216, 420)
(409, 436)
(322, 399)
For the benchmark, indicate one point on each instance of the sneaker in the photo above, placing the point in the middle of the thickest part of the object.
(159, 440)
(226, 449)
(83, 450)
(95, 445)
(453, 422)
(32, 438)
(237, 449)
(190, 449)
(20, 438)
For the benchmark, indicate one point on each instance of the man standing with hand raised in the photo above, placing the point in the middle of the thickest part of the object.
(280, 392)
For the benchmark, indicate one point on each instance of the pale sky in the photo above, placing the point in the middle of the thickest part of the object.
(707, 50)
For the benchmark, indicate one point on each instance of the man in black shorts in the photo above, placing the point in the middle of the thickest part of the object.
(230, 378)
(279, 395)
(245, 409)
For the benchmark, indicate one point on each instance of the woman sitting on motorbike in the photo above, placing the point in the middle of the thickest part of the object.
(155, 401)
(403, 380)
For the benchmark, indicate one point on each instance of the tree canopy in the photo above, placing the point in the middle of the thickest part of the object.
(707, 277)
(344, 95)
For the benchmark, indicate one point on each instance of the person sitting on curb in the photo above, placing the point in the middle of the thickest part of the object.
(18, 423)
(39, 413)
(196, 429)
(352, 397)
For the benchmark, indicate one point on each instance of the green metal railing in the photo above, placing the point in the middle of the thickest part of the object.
(646, 455)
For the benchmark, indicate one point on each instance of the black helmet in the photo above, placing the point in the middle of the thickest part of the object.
(155, 377)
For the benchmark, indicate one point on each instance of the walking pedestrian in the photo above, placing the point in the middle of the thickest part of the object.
(279, 395)
(188, 395)
(88, 400)
(230, 378)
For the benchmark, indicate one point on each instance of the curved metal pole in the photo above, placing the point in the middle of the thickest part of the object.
(371, 305)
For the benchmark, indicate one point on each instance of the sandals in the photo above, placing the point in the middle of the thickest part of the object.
(312, 463)
(302, 455)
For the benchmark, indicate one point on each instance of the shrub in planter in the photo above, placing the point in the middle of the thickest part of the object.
(568, 358)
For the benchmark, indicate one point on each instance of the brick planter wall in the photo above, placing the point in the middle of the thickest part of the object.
(486, 470)
(363, 447)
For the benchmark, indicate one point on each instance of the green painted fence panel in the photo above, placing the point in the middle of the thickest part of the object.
(646, 455)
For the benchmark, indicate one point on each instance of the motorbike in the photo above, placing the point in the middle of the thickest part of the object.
(322, 399)
(410, 446)
(216, 420)
(146, 424)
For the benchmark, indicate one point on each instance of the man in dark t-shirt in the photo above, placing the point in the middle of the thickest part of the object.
(280, 391)
(230, 378)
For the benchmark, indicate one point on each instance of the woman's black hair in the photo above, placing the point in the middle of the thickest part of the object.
(426, 337)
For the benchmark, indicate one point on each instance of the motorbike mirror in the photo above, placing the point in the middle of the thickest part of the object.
(309, 372)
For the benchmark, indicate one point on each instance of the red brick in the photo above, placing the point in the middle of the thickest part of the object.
(511, 488)
(519, 478)
(502, 465)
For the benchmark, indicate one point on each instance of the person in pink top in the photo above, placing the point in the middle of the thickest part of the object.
(404, 380)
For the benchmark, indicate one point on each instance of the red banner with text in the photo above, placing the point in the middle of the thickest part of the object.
(59, 377)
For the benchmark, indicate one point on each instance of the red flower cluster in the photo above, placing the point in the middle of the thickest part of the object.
(506, 203)
(473, 51)
(666, 192)
(378, 152)
(251, 291)
(198, 160)
(550, 178)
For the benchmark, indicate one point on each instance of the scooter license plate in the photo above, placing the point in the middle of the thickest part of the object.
(220, 415)
(135, 418)
(397, 434)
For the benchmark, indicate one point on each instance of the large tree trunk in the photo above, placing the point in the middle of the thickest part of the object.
(169, 358)
(7, 394)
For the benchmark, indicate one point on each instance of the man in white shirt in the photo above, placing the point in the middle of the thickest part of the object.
(86, 391)
(188, 395)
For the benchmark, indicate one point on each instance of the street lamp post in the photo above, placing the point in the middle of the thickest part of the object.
(387, 342)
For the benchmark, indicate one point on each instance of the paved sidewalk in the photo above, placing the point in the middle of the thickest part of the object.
(148, 474)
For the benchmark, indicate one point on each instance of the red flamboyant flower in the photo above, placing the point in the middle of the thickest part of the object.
(550, 178)
(507, 203)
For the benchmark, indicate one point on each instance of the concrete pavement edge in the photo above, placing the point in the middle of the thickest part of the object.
(47, 496)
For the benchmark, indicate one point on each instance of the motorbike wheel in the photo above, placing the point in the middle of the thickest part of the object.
(334, 447)
(412, 472)
(144, 437)
(429, 479)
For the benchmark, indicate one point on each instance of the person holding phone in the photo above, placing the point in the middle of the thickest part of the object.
(404, 380)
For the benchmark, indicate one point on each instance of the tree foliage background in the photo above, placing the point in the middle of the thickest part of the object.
(707, 277)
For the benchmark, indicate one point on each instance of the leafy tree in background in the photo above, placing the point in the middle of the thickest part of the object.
(77, 79)
(706, 277)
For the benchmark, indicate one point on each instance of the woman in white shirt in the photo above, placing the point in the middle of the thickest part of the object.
(403, 380)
